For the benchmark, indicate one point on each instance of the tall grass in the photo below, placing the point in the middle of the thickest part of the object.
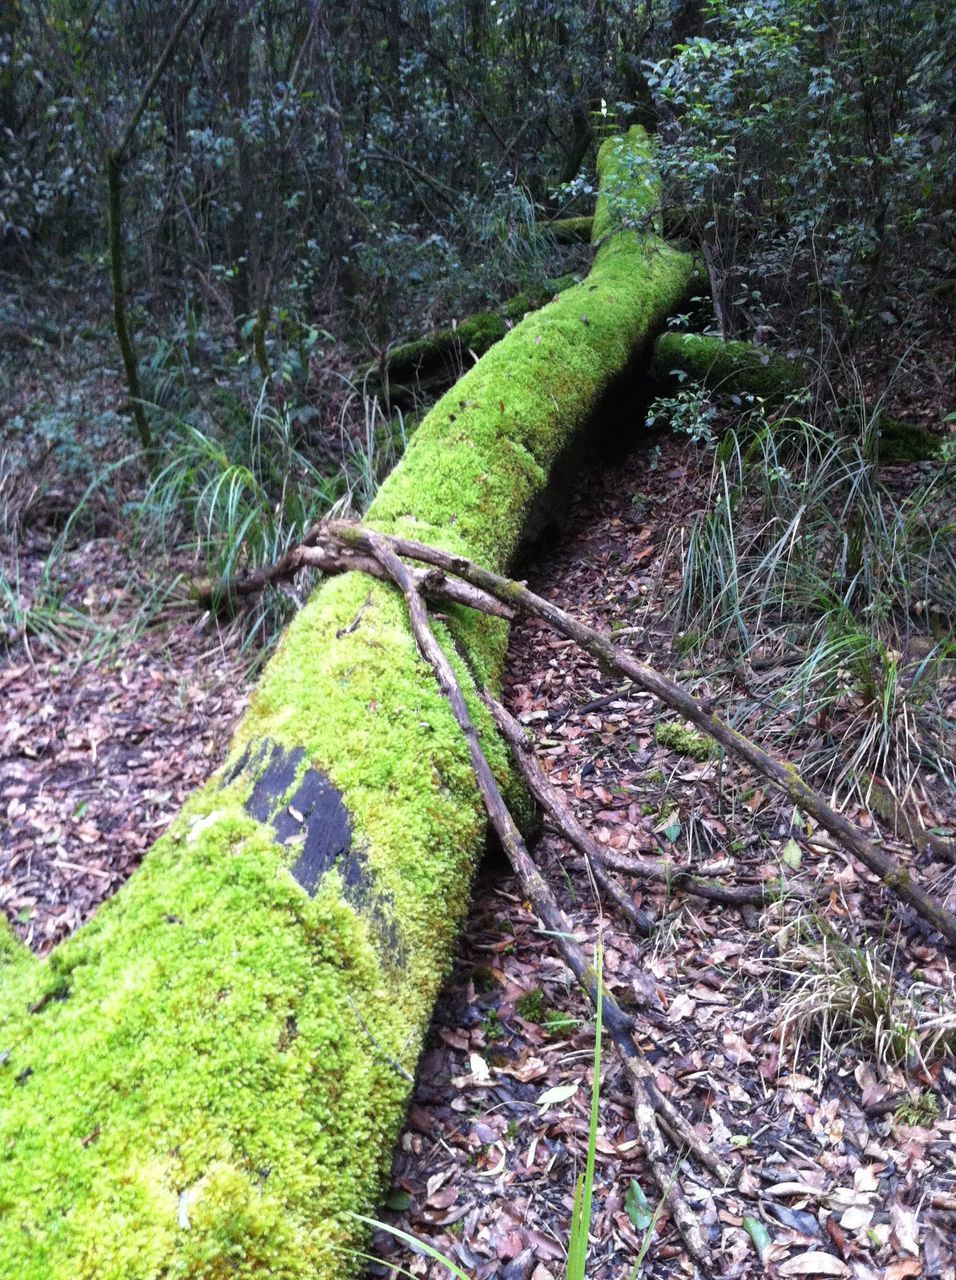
(803, 553)
(240, 502)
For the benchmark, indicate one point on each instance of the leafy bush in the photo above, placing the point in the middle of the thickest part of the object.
(810, 144)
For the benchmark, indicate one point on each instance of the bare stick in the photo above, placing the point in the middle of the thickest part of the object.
(617, 1022)
(783, 776)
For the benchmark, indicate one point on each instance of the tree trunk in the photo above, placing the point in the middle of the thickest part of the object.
(221, 1077)
(114, 182)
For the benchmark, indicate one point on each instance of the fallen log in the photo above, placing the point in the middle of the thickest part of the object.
(741, 369)
(735, 368)
(438, 359)
(568, 230)
(217, 1067)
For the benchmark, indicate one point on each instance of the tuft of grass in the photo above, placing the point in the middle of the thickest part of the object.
(842, 995)
(802, 552)
(920, 1110)
(584, 1190)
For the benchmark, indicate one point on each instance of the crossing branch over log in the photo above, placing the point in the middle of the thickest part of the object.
(434, 584)
(784, 777)
(618, 1024)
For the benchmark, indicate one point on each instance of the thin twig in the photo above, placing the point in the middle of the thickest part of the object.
(619, 1025)
(384, 1052)
(602, 859)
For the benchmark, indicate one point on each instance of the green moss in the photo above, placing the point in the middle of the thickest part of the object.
(531, 1006)
(686, 742)
(212, 1091)
(534, 298)
(477, 334)
(434, 352)
(483, 980)
(736, 368)
(14, 956)
(567, 230)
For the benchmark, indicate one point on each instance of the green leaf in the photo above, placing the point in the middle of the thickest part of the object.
(759, 1235)
(672, 830)
(638, 1210)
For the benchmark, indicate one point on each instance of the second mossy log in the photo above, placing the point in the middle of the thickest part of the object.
(437, 359)
(742, 369)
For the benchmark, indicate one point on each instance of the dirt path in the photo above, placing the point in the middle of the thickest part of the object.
(486, 1168)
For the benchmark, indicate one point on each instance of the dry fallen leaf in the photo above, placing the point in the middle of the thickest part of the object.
(905, 1227)
(905, 1267)
(560, 1093)
(814, 1263)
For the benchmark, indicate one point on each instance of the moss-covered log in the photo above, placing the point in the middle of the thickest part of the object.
(569, 230)
(209, 1077)
(739, 368)
(437, 359)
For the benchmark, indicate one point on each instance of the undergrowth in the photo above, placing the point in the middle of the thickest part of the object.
(836, 995)
(233, 492)
(806, 564)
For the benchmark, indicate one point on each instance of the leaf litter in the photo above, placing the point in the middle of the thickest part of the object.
(834, 1178)
(845, 1158)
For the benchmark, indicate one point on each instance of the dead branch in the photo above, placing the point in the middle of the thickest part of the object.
(783, 776)
(618, 1024)
(433, 585)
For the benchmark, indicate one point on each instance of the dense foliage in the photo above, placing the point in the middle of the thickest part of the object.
(388, 159)
(274, 192)
(810, 147)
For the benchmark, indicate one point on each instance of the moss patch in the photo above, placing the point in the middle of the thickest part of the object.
(532, 1006)
(203, 1087)
(905, 442)
(436, 354)
(686, 742)
(567, 230)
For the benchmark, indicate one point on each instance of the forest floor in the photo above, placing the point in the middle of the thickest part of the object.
(844, 1150)
(843, 1133)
